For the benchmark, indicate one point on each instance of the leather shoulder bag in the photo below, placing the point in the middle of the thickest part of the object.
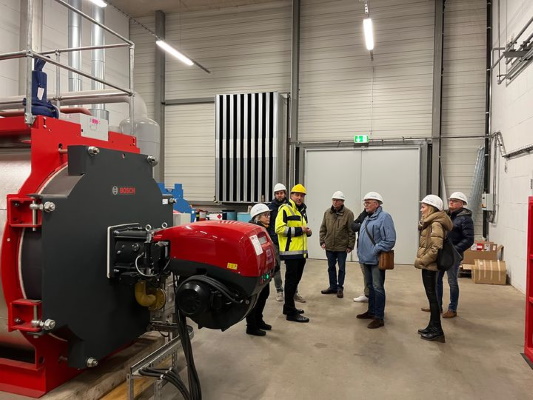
(386, 258)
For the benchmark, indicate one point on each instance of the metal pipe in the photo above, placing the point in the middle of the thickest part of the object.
(98, 60)
(28, 117)
(74, 98)
(132, 98)
(74, 41)
(488, 104)
(526, 149)
(159, 93)
(37, 55)
(522, 31)
(82, 48)
(95, 22)
(14, 54)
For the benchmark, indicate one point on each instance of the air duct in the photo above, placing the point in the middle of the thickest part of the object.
(98, 60)
(74, 40)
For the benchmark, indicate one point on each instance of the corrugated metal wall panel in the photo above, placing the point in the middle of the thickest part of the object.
(463, 93)
(190, 150)
(144, 72)
(247, 49)
(342, 92)
(9, 69)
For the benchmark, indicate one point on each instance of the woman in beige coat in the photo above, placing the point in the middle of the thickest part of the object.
(433, 227)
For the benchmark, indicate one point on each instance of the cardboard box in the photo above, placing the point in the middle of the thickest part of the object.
(489, 271)
(493, 253)
(467, 267)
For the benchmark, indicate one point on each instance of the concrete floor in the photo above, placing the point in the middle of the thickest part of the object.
(336, 356)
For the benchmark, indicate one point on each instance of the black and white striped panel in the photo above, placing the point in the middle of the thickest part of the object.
(246, 146)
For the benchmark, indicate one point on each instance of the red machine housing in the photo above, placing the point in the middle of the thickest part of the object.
(222, 267)
(47, 140)
(241, 248)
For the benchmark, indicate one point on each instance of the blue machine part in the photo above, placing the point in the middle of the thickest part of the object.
(181, 204)
(39, 101)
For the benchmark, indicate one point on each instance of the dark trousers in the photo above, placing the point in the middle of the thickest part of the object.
(336, 281)
(255, 317)
(375, 281)
(429, 278)
(294, 269)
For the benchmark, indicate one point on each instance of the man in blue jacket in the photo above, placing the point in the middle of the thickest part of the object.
(377, 234)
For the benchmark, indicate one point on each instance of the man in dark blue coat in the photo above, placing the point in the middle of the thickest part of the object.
(462, 237)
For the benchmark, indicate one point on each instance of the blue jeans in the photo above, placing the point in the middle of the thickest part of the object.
(333, 258)
(454, 287)
(375, 281)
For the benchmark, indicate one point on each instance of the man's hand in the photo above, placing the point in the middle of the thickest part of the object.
(323, 245)
(348, 250)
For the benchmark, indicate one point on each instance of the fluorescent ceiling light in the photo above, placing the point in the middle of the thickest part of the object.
(369, 34)
(99, 3)
(171, 50)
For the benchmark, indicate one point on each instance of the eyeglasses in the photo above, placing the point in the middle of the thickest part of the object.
(366, 202)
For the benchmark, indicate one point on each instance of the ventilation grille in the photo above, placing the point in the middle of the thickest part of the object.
(250, 146)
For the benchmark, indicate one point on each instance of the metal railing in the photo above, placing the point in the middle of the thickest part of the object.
(86, 97)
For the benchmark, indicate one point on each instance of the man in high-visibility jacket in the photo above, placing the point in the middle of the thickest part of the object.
(292, 231)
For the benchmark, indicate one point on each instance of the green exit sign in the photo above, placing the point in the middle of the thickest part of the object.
(360, 139)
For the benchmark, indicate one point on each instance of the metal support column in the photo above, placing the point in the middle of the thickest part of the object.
(436, 125)
(159, 94)
(488, 105)
(295, 172)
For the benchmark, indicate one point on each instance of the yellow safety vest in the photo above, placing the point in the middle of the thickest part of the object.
(292, 240)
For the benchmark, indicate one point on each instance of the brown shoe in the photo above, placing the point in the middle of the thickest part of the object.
(376, 323)
(449, 314)
(365, 315)
(425, 309)
(340, 293)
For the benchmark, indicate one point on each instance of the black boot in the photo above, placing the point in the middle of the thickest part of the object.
(425, 330)
(264, 326)
(255, 331)
(432, 325)
(434, 334)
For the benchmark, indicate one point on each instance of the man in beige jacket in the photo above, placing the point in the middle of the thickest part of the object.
(338, 239)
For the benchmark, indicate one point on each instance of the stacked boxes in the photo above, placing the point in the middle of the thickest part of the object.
(484, 259)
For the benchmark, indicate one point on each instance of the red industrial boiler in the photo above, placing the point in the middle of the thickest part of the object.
(87, 252)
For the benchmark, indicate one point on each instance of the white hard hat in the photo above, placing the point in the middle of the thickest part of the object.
(259, 209)
(459, 196)
(433, 200)
(373, 196)
(279, 186)
(338, 195)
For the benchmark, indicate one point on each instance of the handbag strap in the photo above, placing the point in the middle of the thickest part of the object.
(370, 235)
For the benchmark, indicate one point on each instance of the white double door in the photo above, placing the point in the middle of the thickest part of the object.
(392, 172)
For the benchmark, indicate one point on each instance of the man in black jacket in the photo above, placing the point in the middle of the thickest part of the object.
(280, 197)
(462, 237)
